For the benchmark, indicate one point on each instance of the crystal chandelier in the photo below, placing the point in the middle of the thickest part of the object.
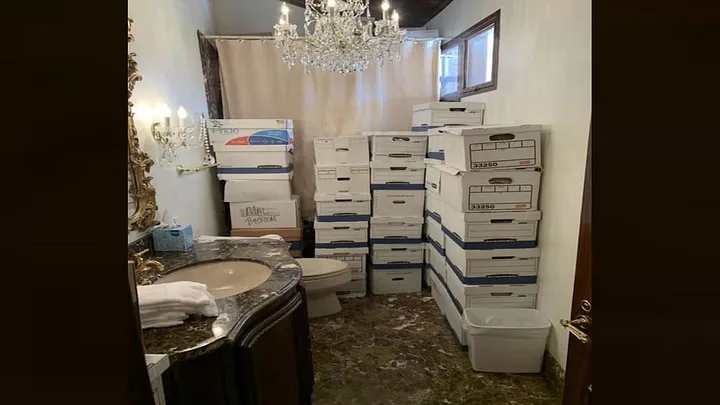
(340, 36)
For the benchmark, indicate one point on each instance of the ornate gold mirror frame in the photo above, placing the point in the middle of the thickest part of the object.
(139, 162)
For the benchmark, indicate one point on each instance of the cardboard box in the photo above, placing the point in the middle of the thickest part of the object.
(436, 260)
(248, 132)
(229, 173)
(492, 147)
(356, 258)
(255, 158)
(351, 150)
(342, 207)
(491, 296)
(293, 236)
(396, 281)
(397, 176)
(434, 234)
(357, 288)
(396, 229)
(397, 256)
(436, 150)
(257, 190)
(434, 207)
(264, 214)
(435, 290)
(397, 145)
(496, 230)
(451, 309)
(341, 234)
(342, 179)
(440, 113)
(433, 177)
(509, 190)
(497, 266)
(398, 203)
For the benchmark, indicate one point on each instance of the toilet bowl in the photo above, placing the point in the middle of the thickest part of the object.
(322, 278)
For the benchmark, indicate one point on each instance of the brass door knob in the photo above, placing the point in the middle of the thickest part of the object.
(576, 327)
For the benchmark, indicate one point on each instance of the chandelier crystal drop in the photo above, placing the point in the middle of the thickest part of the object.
(340, 36)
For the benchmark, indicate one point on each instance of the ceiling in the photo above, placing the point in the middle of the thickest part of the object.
(413, 13)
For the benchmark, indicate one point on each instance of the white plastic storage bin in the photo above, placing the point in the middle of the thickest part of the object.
(342, 150)
(266, 214)
(407, 255)
(492, 147)
(356, 258)
(433, 177)
(434, 234)
(249, 132)
(441, 113)
(341, 234)
(395, 281)
(494, 266)
(496, 230)
(506, 340)
(357, 288)
(434, 207)
(254, 159)
(343, 207)
(398, 203)
(257, 190)
(229, 173)
(396, 229)
(436, 259)
(397, 145)
(509, 190)
(342, 179)
(490, 295)
(397, 176)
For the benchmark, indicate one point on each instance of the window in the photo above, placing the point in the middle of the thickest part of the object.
(468, 62)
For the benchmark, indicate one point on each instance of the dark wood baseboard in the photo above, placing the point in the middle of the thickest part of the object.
(554, 372)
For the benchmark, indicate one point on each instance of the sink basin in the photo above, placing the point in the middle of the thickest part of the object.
(223, 279)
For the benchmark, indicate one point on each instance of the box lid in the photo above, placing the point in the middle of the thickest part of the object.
(500, 289)
(341, 251)
(288, 234)
(489, 216)
(342, 197)
(228, 146)
(444, 105)
(502, 253)
(340, 140)
(393, 133)
(405, 164)
(488, 129)
(251, 123)
(340, 225)
(399, 221)
(398, 246)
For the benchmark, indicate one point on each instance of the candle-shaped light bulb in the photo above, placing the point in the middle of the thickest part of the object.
(385, 7)
(331, 3)
(395, 16)
(284, 9)
(282, 20)
(182, 114)
(162, 110)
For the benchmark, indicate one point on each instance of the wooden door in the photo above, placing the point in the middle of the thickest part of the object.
(578, 378)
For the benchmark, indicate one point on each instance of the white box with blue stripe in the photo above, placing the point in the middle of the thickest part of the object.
(434, 234)
(398, 203)
(339, 179)
(396, 229)
(256, 158)
(399, 146)
(356, 258)
(257, 190)
(433, 180)
(248, 132)
(341, 234)
(343, 207)
(496, 266)
(397, 256)
(490, 295)
(434, 207)
(435, 259)
(495, 230)
(397, 175)
(440, 113)
(396, 281)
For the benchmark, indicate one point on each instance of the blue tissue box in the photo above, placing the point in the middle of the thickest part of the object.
(173, 239)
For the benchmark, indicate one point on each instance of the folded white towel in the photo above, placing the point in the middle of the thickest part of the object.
(184, 293)
(163, 320)
(205, 238)
(209, 309)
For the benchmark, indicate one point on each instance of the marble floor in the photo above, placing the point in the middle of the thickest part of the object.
(396, 349)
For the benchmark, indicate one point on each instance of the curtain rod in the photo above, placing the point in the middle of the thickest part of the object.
(270, 37)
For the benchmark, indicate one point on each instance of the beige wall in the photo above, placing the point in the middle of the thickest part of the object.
(169, 61)
(235, 17)
(544, 77)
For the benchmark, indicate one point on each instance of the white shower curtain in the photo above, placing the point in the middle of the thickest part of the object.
(256, 83)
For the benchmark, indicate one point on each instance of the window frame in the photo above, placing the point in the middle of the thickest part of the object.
(462, 42)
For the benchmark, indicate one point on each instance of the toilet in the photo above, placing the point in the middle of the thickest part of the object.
(322, 278)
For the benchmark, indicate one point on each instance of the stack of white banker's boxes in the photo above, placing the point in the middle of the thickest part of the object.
(489, 187)
(342, 199)
(429, 118)
(255, 158)
(397, 184)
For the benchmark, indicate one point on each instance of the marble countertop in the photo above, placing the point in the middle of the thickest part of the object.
(199, 334)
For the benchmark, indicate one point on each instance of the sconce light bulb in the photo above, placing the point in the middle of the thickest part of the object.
(162, 110)
(385, 5)
(284, 9)
(142, 112)
(331, 3)
(395, 16)
(182, 114)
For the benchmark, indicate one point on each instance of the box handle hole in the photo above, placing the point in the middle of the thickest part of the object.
(398, 168)
(338, 228)
(501, 294)
(343, 179)
(398, 249)
(401, 138)
(398, 278)
(501, 221)
(343, 200)
(502, 137)
(500, 180)
(399, 155)
(342, 150)
(458, 109)
(398, 202)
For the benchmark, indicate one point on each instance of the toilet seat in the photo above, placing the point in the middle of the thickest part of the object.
(322, 278)
(319, 269)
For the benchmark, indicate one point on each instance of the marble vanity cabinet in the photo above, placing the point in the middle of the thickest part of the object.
(256, 352)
